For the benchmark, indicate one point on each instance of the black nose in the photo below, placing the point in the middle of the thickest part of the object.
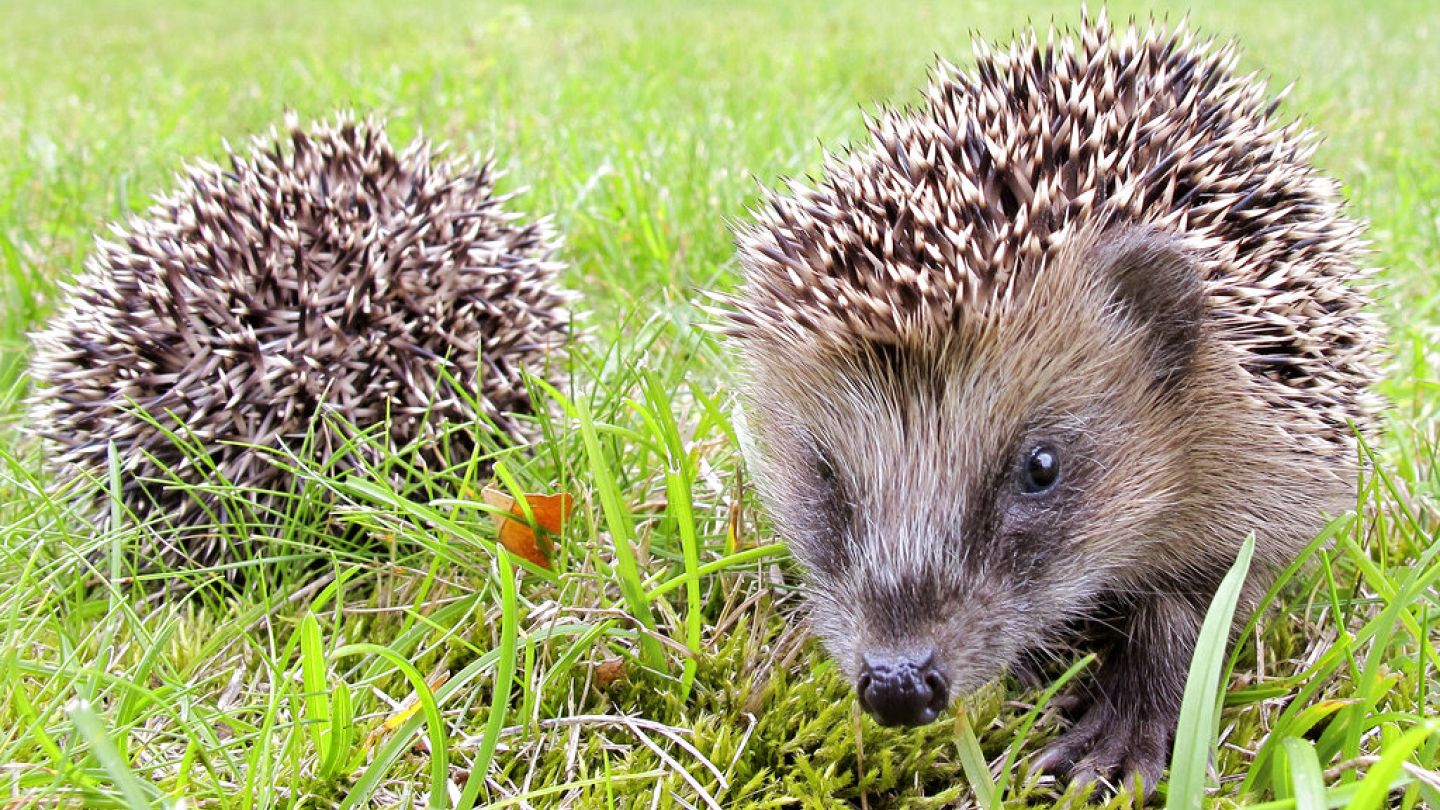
(902, 690)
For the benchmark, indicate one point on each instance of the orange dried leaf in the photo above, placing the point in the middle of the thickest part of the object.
(549, 511)
(609, 671)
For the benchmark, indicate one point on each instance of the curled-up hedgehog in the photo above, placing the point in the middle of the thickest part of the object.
(322, 282)
(1038, 356)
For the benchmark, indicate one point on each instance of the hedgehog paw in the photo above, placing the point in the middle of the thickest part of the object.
(1109, 748)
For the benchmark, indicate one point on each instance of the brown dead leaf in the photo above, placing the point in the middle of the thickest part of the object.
(609, 671)
(735, 523)
(550, 512)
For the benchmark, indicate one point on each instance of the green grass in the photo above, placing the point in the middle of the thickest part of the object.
(643, 129)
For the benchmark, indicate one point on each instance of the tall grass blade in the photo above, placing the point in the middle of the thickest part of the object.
(1200, 709)
(679, 480)
(313, 681)
(1307, 783)
(137, 792)
(504, 678)
(622, 533)
(972, 761)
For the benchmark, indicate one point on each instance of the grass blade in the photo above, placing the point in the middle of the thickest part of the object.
(342, 731)
(1380, 779)
(1200, 709)
(137, 792)
(504, 678)
(1306, 781)
(679, 480)
(972, 760)
(1003, 783)
(434, 725)
(313, 681)
(622, 534)
(735, 560)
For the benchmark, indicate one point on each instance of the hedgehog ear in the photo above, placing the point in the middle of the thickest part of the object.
(1157, 286)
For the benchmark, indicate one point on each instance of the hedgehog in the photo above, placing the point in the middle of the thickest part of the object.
(322, 293)
(1022, 371)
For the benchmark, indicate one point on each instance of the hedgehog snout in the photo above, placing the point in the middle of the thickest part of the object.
(902, 689)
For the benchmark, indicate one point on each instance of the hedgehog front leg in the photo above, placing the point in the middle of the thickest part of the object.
(1128, 714)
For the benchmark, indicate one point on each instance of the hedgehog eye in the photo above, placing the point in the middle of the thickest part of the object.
(1039, 469)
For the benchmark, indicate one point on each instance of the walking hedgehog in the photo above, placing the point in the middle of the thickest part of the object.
(1039, 356)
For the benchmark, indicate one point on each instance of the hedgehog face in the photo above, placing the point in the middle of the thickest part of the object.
(954, 502)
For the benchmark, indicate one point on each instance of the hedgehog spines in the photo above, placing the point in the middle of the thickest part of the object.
(952, 202)
(320, 272)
